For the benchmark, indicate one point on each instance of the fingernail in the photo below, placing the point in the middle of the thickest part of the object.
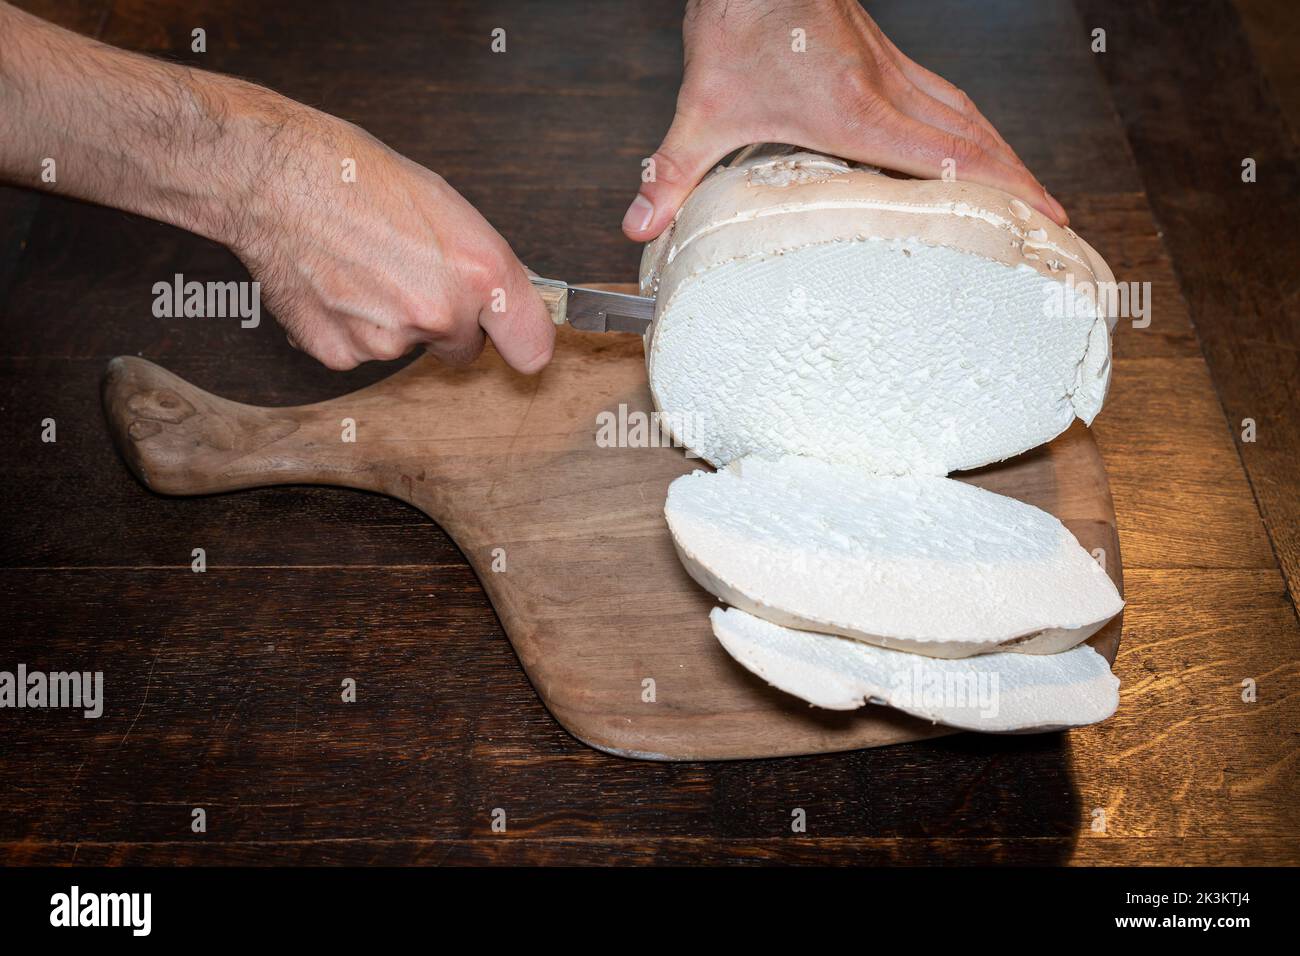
(1060, 216)
(638, 214)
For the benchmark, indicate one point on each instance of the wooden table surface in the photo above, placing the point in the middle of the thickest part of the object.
(223, 688)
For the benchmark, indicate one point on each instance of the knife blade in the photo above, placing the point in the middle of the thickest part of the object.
(594, 310)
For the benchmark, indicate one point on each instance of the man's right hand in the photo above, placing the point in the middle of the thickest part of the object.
(355, 267)
(368, 269)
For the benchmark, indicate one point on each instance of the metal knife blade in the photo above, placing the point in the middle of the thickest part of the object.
(594, 310)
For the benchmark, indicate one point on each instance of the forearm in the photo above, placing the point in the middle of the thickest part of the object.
(124, 130)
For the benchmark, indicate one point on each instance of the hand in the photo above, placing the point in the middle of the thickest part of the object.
(354, 270)
(370, 268)
(851, 93)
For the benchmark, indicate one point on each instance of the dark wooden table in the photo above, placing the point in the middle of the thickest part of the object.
(223, 688)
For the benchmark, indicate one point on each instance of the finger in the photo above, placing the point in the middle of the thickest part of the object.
(455, 339)
(331, 348)
(920, 105)
(320, 338)
(948, 94)
(518, 323)
(376, 343)
(459, 350)
(935, 85)
(919, 149)
(688, 152)
(943, 91)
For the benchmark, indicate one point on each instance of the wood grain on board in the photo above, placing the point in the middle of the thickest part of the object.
(225, 685)
(564, 530)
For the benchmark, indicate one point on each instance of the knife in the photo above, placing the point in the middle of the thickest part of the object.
(592, 310)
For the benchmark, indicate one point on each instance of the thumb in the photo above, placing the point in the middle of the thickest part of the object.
(668, 177)
(517, 322)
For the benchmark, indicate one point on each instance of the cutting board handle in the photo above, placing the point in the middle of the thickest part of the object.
(180, 440)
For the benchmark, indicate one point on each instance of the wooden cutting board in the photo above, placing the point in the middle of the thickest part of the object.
(592, 595)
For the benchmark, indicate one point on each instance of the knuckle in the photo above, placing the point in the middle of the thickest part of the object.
(337, 358)
(859, 89)
(979, 136)
(964, 151)
(866, 103)
(385, 348)
(667, 167)
(480, 271)
(435, 324)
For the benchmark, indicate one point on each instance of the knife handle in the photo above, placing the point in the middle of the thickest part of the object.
(555, 296)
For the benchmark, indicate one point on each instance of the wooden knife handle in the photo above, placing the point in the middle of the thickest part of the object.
(555, 296)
